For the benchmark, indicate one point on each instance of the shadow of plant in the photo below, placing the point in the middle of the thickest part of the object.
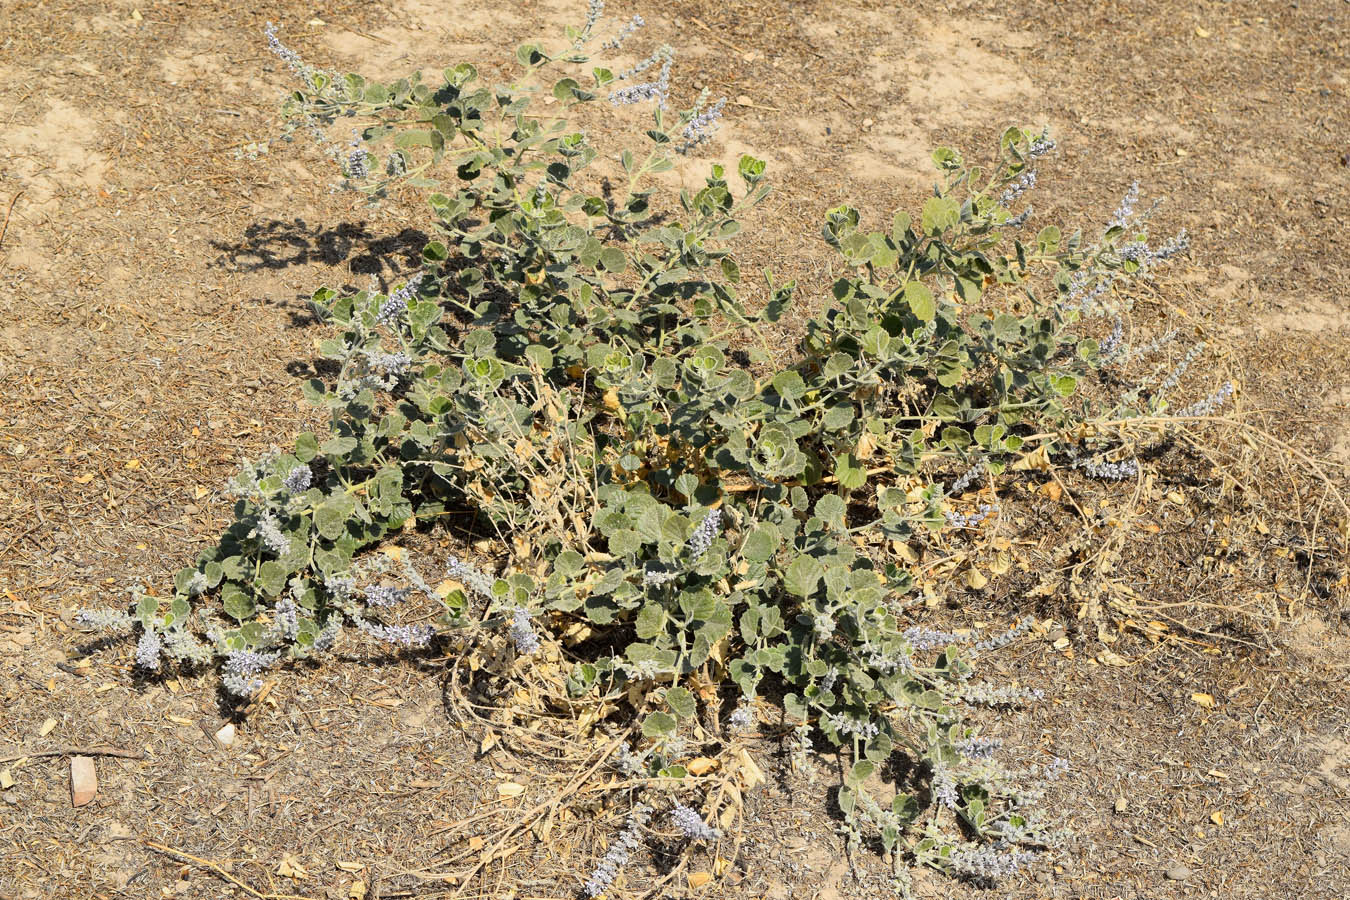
(278, 245)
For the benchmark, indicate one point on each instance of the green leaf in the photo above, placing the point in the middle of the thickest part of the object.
(658, 724)
(939, 214)
(803, 575)
(850, 471)
(920, 300)
(681, 702)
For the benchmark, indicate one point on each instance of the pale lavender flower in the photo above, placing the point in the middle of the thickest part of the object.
(403, 635)
(617, 856)
(944, 787)
(298, 480)
(271, 535)
(657, 577)
(386, 595)
(112, 619)
(1111, 346)
(1112, 471)
(148, 649)
(978, 747)
(522, 633)
(990, 862)
(1058, 766)
(970, 520)
(692, 825)
(327, 636)
(742, 718)
(357, 164)
(624, 33)
(292, 59)
(660, 54)
(959, 485)
(1041, 146)
(1211, 404)
(1002, 640)
(286, 618)
(846, 724)
(395, 365)
(472, 579)
(1018, 188)
(339, 587)
(704, 534)
(702, 127)
(397, 304)
(1125, 211)
(243, 669)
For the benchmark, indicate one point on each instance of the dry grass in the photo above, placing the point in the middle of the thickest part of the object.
(154, 328)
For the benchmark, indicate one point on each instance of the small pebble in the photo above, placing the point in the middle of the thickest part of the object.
(1178, 873)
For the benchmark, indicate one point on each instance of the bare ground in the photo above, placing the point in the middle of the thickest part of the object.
(153, 327)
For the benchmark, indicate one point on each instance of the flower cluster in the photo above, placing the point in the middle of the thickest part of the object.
(989, 862)
(1018, 188)
(1121, 217)
(624, 33)
(397, 304)
(959, 485)
(242, 675)
(702, 127)
(616, 857)
(470, 577)
(148, 649)
(298, 480)
(270, 532)
(704, 534)
(1002, 640)
(522, 633)
(970, 520)
(691, 824)
(386, 595)
(1211, 404)
(401, 635)
(111, 619)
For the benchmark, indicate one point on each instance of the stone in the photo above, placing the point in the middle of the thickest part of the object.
(83, 781)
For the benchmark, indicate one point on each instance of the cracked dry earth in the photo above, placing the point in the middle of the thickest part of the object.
(153, 331)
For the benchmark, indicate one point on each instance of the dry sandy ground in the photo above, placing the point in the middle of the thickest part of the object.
(153, 325)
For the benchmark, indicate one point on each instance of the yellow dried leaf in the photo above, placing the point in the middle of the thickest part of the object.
(699, 879)
(6, 780)
(350, 866)
(611, 400)
(489, 741)
(975, 579)
(133, 464)
(1205, 700)
(1112, 658)
(357, 891)
(290, 868)
(1001, 563)
(85, 478)
(1216, 817)
(702, 765)
(1052, 490)
(46, 728)
(510, 789)
(749, 773)
(867, 445)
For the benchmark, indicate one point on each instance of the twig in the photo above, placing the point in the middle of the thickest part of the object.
(5, 228)
(207, 864)
(77, 751)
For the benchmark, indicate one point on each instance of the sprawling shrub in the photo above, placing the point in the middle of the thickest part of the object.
(576, 363)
